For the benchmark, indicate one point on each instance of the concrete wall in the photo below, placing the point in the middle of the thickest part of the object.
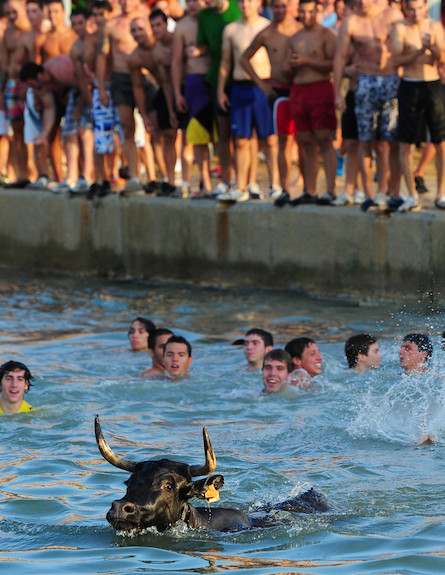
(314, 249)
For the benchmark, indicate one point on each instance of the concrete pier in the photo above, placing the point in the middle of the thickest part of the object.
(319, 250)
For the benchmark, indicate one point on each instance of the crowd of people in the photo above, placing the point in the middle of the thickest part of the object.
(131, 86)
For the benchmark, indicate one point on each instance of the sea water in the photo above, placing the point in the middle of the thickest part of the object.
(350, 436)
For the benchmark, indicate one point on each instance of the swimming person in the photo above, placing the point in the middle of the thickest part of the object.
(177, 357)
(306, 359)
(138, 332)
(276, 368)
(415, 353)
(256, 343)
(15, 380)
(362, 352)
(156, 344)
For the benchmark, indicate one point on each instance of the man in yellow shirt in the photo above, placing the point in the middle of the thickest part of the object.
(15, 380)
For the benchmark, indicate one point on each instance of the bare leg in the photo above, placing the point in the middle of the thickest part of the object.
(242, 158)
(324, 141)
(272, 160)
(308, 143)
(225, 148)
(126, 116)
(365, 155)
(202, 156)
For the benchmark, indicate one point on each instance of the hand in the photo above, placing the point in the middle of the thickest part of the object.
(181, 104)
(192, 52)
(340, 103)
(224, 102)
(173, 120)
(41, 140)
(104, 98)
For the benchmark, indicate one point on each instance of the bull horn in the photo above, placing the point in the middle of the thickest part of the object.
(108, 453)
(210, 464)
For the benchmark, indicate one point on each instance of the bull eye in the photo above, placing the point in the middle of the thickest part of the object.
(168, 486)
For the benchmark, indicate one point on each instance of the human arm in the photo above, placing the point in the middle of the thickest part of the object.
(48, 116)
(103, 52)
(255, 45)
(340, 59)
(178, 50)
(166, 85)
(224, 69)
(135, 68)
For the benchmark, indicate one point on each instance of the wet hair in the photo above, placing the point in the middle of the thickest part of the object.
(264, 335)
(158, 14)
(80, 12)
(152, 338)
(101, 4)
(179, 339)
(279, 354)
(358, 344)
(29, 71)
(15, 366)
(422, 342)
(296, 346)
(149, 325)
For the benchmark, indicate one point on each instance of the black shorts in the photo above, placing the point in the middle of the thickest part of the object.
(421, 102)
(348, 118)
(122, 89)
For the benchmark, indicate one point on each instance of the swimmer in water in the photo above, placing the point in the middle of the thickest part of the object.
(276, 369)
(156, 344)
(140, 329)
(15, 381)
(177, 357)
(362, 352)
(256, 343)
(306, 359)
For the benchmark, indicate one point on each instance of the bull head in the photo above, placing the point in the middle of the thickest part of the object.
(158, 491)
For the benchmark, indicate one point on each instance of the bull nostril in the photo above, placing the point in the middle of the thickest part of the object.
(128, 508)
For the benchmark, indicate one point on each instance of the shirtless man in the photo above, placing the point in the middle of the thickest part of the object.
(196, 99)
(117, 42)
(177, 357)
(275, 39)
(368, 32)
(157, 117)
(362, 352)
(310, 58)
(156, 344)
(415, 353)
(249, 107)
(306, 359)
(418, 45)
(15, 381)
(12, 94)
(275, 371)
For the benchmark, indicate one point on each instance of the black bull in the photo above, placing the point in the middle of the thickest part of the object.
(158, 494)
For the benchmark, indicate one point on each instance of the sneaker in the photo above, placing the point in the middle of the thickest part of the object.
(409, 205)
(282, 199)
(325, 199)
(152, 187)
(221, 189)
(81, 187)
(381, 200)
(420, 185)
(305, 198)
(133, 188)
(254, 192)
(19, 184)
(124, 173)
(234, 195)
(62, 187)
(182, 192)
(368, 204)
(342, 200)
(165, 189)
(275, 192)
(359, 197)
(93, 190)
(40, 184)
(439, 202)
(395, 203)
(4, 180)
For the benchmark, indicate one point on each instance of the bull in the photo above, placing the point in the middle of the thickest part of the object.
(158, 494)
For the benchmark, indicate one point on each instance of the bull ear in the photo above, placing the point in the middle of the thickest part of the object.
(210, 464)
(201, 487)
(108, 453)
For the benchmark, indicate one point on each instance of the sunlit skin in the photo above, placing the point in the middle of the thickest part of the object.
(34, 14)
(177, 360)
(158, 352)
(139, 31)
(310, 361)
(307, 14)
(411, 359)
(416, 11)
(254, 351)
(13, 387)
(371, 360)
(275, 374)
(11, 14)
(99, 16)
(138, 336)
(159, 27)
(279, 10)
(129, 6)
(56, 14)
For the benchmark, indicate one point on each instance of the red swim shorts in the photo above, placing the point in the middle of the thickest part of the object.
(313, 107)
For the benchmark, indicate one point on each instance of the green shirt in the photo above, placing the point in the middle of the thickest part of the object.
(23, 408)
(210, 31)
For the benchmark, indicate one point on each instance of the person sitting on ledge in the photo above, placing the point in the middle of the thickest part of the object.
(15, 380)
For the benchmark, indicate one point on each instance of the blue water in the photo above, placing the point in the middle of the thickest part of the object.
(350, 436)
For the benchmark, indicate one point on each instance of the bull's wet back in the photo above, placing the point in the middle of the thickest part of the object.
(350, 436)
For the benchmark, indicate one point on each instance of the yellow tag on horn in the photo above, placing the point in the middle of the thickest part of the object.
(211, 494)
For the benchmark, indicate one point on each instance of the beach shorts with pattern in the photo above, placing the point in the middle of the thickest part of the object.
(71, 126)
(14, 101)
(105, 120)
(376, 107)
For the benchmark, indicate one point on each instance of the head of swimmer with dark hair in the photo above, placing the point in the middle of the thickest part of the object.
(415, 353)
(362, 352)
(177, 356)
(15, 381)
(139, 332)
(305, 355)
(257, 342)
